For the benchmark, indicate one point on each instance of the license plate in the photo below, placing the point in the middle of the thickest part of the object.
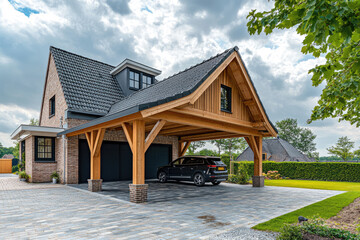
(221, 168)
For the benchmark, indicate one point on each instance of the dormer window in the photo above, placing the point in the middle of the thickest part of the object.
(146, 81)
(134, 80)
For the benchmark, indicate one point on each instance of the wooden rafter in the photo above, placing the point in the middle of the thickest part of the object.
(153, 133)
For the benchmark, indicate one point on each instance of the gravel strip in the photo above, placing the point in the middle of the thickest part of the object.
(245, 233)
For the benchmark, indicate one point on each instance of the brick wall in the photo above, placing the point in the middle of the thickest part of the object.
(29, 155)
(52, 88)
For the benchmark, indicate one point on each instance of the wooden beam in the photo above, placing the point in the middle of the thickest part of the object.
(209, 136)
(109, 124)
(201, 113)
(138, 152)
(185, 148)
(153, 133)
(255, 143)
(128, 131)
(249, 102)
(88, 138)
(205, 123)
(177, 129)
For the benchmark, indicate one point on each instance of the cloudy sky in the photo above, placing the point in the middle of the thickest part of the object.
(167, 35)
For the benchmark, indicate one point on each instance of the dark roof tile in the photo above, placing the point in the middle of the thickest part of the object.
(87, 84)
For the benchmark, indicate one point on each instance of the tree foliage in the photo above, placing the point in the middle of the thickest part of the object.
(300, 138)
(219, 144)
(195, 146)
(342, 149)
(331, 28)
(5, 150)
(34, 122)
(234, 145)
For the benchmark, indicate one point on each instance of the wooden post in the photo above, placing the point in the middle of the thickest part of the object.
(95, 139)
(139, 152)
(258, 157)
(255, 144)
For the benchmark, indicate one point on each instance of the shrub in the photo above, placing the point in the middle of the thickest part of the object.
(14, 169)
(241, 177)
(315, 227)
(55, 175)
(323, 171)
(272, 175)
(23, 174)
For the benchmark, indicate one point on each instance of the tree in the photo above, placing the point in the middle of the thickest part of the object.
(331, 28)
(342, 149)
(34, 122)
(194, 146)
(207, 152)
(300, 138)
(16, 150)
(234, 144)
(219, 144)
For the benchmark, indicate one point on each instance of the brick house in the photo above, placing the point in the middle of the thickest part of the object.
(94, 118)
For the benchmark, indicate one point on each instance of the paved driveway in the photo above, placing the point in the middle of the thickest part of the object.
(180, 211)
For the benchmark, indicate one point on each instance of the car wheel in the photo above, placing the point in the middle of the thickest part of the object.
(215, 182)
(162, 177)
(199, 179)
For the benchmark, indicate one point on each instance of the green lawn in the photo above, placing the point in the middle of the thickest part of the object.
(327, 185)
(324, 209)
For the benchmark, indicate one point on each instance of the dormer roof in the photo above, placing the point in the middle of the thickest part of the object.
(136, 66)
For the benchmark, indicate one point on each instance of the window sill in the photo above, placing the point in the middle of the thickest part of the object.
(227, 111)
(52, 115)
(41, 161)
(135, 89)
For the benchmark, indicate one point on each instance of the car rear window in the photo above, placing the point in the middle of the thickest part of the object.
(216, 162)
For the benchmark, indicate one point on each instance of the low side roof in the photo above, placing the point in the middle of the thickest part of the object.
(87, 84)
(35, 131)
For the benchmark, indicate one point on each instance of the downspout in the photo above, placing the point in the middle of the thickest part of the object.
(64, 152)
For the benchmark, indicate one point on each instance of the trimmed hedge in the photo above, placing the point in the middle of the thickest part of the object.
(323, 171)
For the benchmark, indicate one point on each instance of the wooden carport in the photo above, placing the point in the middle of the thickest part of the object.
(193, 117)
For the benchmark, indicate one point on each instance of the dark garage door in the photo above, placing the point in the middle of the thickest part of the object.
(116, 160)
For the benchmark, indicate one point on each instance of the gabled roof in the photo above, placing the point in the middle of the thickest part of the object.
(174, 87)
(87, 84)
(278, 150)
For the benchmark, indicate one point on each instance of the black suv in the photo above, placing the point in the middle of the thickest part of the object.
(199, 169)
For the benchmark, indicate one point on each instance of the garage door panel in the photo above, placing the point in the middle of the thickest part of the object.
(116, 160)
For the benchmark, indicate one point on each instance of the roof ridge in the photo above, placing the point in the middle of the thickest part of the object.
(52, 47)
(165, 79)
(206, 60)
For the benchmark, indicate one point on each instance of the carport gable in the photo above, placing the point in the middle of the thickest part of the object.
(214, 99)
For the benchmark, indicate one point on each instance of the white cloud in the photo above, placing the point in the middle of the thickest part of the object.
(172, 37)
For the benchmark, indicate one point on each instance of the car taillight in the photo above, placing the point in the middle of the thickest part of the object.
(211, 166)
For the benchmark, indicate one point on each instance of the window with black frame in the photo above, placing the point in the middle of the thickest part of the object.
(134, 80)
(146, 81)
(52, 106)
(44, 149)
(225, 98)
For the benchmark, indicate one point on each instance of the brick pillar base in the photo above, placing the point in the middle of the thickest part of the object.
(138, 193)
(258, 181)
(94, 185)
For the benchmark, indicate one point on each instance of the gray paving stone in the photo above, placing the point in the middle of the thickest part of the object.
(174, 211)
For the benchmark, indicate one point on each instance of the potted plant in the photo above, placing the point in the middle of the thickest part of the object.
(23, 176)
(55, 177)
